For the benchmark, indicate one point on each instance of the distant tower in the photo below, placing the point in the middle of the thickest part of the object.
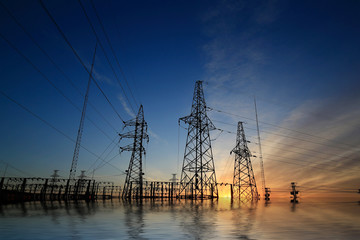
(244, 180)
(198, 179)
(82, 175)
(133, 187)
(81, 181)
(173, 179)
(54, 176)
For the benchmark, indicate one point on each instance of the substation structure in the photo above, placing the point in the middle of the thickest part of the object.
(198, 177)
(17, 189)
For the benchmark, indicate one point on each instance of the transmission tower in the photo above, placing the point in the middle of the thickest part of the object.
(81, 125)
(198, 179)
(54, 176)
(133, 187)
(244, 179)
(80, 131)
(266, 190)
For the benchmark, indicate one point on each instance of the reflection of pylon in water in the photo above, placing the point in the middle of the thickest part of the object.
(198, 179)
(294, 193)
(244, 184)
(267, 194)
(133, 187)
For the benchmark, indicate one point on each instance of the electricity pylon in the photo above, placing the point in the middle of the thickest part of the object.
(198, 179)
(133, 187)
(80, 130)
(244, 183)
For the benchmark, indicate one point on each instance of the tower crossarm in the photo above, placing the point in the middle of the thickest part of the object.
(131, 148)
(193, 120)
(130, 123)
(127, 135)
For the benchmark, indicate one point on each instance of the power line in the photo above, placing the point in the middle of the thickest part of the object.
(8, 164)
(329, 154)
(274, 125)
(292, 146)
(311, 155)
(107, 162)
(53, 62)
(118, 44)
(78, 57)
(306, 149)
(228, 162)
(302, 165)
(49, 81)
(49, 124)
(281, 135)
(112, 49)
(302, 161)
(282, 105)
(38, 70)
(102, 154)
(106, 56)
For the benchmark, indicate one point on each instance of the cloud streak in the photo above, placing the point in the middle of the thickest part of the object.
(126, 107)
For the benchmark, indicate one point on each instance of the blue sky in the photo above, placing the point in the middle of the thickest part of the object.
(300, 59)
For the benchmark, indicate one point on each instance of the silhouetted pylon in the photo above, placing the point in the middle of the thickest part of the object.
(198, 179)
(133, 187)
(244, 183)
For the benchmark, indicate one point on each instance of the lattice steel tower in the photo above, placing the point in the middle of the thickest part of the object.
(133, 187)
(244, 183)
(198, 179)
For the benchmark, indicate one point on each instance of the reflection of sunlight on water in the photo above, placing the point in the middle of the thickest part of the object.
(223, 219)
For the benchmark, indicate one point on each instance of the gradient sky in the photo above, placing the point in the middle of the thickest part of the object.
(300, 59)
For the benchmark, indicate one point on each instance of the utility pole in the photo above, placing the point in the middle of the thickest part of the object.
(198, 178)
(244, 184)
(134, 175)
(266, 190)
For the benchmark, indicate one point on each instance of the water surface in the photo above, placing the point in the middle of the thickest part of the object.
(113, 219)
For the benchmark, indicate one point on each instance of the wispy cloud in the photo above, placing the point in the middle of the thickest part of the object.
(126, 107)
(101, 77)
(154, 135)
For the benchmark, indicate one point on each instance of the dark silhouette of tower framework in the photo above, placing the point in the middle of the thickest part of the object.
(133, 187)
(198, 179)
(244, 183)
